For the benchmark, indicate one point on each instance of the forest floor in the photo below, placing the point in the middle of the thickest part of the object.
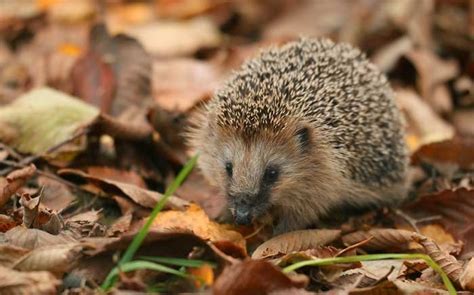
(94, 96)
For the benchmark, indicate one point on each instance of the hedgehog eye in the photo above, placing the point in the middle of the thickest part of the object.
(271, 174)
(229, 168)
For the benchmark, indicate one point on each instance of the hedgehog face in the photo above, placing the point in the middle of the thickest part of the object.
(256, 172)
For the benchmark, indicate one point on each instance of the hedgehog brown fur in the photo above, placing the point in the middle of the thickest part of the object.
(303, 131)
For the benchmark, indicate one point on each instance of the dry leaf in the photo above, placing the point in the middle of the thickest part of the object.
(295, 241)
(6, 223)
(254, 277)
(433, 71)
(447, 262)
(130, 177)
(14, 181)
(382, 239)
(176, 38)
(57, 259)
(32, 238)
(455, 209)
(467, 276)
(121, 225)
(428, 125)
(35, 282)
(179, 84)
(45, 118)
(194, 220)
(196, 189)
(10, 254)
(143, 197)
(456, 151)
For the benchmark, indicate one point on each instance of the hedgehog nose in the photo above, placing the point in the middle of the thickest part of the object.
(243, 216)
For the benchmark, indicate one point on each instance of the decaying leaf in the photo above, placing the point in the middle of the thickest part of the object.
(180, 84)
(447, 262)
(44, 118)
(35, 282)
(254, 277)
(10, 254)
(454, 209)
(143, 197)
(467, 276)
(32, 238)
(6, 223)
(56, 259)
(457, 151)
(14, 181)
(295, 241)
(428, 125)
(194, 220)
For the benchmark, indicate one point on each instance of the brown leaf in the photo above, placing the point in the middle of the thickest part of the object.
(179, 84)
(455, 209)
(433, 71)
(121, 225)
(124, 68)
(35, 215)
(456, 151)
(56, 195)
(196, 189)
(35, 282)
(463, 120)
(56, 259)
(31, 238)
(427, 125)
(130, 177)
(383, 239)
(467, 277)
(14, 181)
(6, 223)
(196, 221)
(295, 241)
(447, 262)
(10, 254)
(177, 38)
(143, 197)
(254, 277)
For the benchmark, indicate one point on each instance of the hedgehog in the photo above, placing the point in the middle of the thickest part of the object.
(303, 133)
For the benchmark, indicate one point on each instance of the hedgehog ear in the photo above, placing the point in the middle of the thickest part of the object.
(303, 136)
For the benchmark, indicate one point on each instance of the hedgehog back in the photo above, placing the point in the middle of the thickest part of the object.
(335, 89)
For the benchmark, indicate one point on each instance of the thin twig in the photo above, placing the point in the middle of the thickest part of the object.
(11, 151)
(356, 245)
(411, 221)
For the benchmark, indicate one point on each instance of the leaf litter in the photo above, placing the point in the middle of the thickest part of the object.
(91, 122)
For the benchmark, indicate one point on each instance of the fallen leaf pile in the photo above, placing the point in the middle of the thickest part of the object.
(95, 97)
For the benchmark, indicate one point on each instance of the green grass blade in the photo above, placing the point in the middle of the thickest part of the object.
(349, 259)
(178, 261)
(140, 264)
(140, 236)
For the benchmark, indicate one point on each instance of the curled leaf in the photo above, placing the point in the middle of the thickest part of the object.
(447, 262)
(295, 241)
(14, 181)
(467, 277)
